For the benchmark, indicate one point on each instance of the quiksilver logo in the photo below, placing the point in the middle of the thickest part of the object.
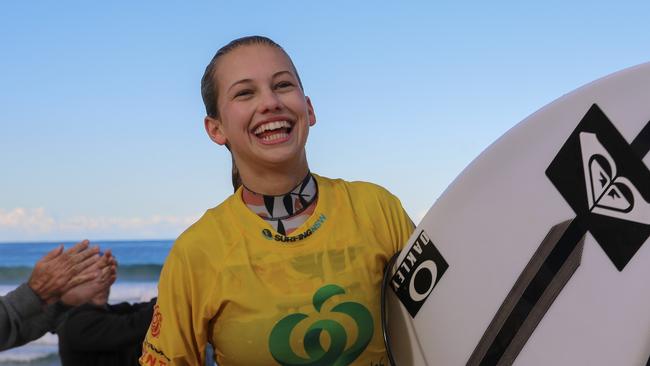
(418, 273)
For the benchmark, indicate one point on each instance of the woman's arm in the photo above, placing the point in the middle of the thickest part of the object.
(177, 334)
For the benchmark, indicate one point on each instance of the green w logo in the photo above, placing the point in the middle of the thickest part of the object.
(336, 354)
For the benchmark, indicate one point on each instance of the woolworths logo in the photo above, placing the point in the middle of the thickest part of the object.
(335, 354)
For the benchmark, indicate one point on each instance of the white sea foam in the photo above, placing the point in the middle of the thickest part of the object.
(133, 292)
(126, 291)
(4, 289)
(27, 353)
(48, 339)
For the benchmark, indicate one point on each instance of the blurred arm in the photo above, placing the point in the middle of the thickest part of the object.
(92, 328)
(24, 318)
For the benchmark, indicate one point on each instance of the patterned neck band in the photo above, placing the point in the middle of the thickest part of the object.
(287, 211)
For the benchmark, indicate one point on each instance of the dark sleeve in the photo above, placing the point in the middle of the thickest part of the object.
(91, 328)
(125, 307)
(16, 308)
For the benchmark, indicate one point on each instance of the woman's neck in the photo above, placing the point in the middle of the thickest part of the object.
(273, 181)
(287, 211)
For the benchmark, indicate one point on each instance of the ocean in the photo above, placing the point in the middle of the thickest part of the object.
(139, 267)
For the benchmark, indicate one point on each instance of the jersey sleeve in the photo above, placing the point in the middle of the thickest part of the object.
(177, 333)
(403, 226)
(398, 224)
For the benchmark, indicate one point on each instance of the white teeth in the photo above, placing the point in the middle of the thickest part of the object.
(275, 136)
(271, 126)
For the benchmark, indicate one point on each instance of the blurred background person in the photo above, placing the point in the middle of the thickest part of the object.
(60, 280)
(98, 333)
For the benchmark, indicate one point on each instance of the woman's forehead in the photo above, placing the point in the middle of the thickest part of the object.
(251, 62)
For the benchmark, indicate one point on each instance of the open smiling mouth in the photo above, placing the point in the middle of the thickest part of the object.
(273, 132)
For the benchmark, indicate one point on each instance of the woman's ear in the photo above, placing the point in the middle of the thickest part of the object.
(213, 127)
(310, 112)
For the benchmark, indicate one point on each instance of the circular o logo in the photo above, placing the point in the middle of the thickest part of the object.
(430, 266)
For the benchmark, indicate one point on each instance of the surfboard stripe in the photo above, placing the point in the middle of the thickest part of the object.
(641, 143)
(550, 268)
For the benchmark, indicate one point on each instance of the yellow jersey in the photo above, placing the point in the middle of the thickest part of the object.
(262, 298)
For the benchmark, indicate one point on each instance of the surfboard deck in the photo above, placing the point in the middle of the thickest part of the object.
(538, 252)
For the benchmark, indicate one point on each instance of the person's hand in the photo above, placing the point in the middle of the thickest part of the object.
(60, 270)
(105, 273)
(101, 298)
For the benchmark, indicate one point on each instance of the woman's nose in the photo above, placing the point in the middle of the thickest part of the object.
(270, 101)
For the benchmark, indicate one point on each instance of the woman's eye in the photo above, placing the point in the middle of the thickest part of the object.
(243, 93)
(283, 84)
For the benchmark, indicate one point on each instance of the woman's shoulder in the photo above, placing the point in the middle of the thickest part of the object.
(213, 229)
(361, 189)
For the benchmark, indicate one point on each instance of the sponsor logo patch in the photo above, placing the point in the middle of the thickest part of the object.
(418, 273)
(604, 180)
(152, 356)
(156, 322)
(267, 234)
(334, 354)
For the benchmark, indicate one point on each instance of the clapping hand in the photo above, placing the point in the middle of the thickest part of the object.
(60, 270)
(104, 273)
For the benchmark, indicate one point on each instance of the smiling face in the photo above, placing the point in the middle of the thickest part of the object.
(264, 116)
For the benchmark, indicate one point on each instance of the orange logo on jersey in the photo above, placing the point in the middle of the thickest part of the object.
(156, 322)
(152, 356)
(151, 360)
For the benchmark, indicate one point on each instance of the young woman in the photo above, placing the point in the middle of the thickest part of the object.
(287, 270)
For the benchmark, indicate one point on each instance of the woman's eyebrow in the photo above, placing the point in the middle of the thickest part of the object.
(242, 81)
(282, 72)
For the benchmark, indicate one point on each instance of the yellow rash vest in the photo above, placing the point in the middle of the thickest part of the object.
(261, 298)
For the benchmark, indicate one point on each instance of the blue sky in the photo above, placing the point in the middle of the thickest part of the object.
(101, 132)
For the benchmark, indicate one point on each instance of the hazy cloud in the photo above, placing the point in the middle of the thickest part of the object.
(21, 224)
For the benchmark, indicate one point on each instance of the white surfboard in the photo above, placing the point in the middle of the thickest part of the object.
(538, 253)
